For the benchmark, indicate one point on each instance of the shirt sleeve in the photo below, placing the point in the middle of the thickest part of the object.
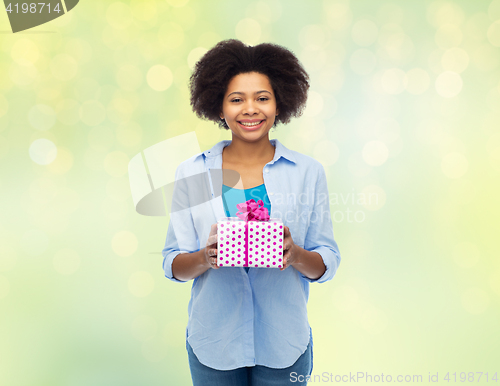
(319, 236)
(181, 233)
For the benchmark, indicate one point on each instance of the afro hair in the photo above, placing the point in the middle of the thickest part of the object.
(214, 71)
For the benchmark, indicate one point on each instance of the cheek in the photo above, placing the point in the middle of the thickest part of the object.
(229, 113)
(272, 111)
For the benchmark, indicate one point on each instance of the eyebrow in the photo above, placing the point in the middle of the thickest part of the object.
(241, 93)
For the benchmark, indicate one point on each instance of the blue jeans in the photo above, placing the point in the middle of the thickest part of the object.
(250, 376)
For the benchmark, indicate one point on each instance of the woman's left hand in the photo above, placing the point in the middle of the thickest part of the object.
(289, 249)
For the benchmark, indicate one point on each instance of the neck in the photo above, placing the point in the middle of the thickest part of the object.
(250, 152)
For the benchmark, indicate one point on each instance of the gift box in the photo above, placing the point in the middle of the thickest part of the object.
(250, 240)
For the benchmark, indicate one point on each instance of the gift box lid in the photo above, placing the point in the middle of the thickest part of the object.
(240, 220)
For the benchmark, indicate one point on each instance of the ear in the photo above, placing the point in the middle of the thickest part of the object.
(277, 112)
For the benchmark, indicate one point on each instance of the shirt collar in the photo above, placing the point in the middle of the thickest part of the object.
(280, 151)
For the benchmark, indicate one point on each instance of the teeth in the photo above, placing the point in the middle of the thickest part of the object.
(250, 124)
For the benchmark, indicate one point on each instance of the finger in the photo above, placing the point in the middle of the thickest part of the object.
(213, 229)
(286, 231)
(212, 240)
(286, 255)
(286, 252)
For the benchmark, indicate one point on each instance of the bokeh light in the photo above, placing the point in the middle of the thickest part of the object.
(43, 151)
(494, 10)
(63, 161)
(449, 84)
(159, 77)
(448, 36)
(375, 153)
(455, 60)
(494, 33)
(195, 55)
(248, 31)
(144, 10)
(124, 243)
(326, 152)
(394, 81)
(314, 104)
(25, 51)
(338, 14)
(23, 74)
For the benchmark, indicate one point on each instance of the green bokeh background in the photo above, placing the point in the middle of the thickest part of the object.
(404, 107)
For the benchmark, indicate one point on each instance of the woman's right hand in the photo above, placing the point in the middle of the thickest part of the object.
(211, 248)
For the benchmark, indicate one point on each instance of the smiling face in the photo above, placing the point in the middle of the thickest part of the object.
(249, 106)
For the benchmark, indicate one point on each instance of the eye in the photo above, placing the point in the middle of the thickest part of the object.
(263, 99)
(236, 100)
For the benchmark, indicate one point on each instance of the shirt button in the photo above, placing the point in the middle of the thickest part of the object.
(271, 194)
(266, 170)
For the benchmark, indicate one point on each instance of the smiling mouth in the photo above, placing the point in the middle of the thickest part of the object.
(250, 124)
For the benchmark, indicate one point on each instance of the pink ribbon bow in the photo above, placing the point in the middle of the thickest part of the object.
(252, 210)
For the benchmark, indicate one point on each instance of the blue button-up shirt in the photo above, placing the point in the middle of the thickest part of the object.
(239, 319)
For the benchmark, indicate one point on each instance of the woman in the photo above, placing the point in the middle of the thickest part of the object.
(248, 326)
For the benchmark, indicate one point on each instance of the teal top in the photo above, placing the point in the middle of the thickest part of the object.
(231, 197)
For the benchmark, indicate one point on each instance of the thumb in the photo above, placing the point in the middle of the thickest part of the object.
(213, 229)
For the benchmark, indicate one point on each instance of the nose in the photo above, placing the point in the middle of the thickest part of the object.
(250, 108)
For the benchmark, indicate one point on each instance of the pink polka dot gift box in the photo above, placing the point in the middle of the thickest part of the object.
(250, 240)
